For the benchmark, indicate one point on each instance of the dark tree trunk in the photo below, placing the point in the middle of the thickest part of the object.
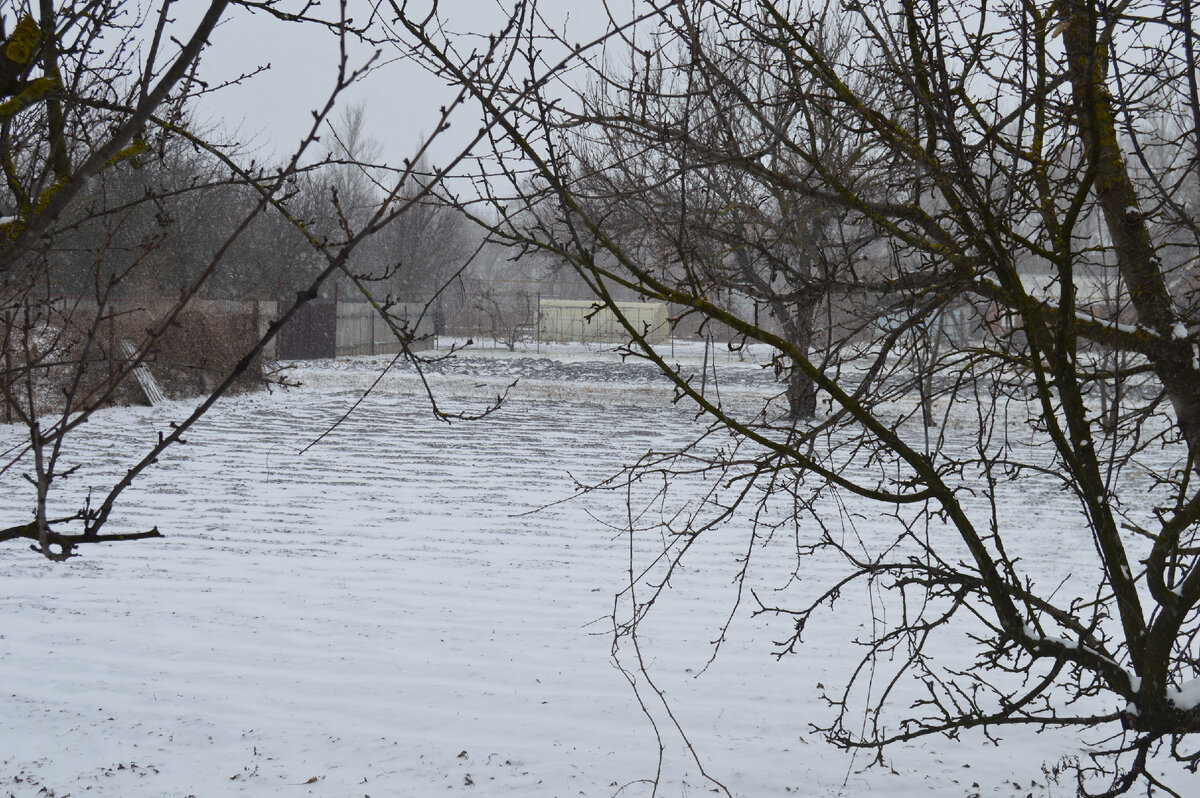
(801, 396)
(801, 392)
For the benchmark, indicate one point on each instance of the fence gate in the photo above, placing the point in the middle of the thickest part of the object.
(311, 333)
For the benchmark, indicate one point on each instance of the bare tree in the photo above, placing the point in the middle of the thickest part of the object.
(354, 180)
(1003, 129)
(99, 164)
(415, 256)
(707, 221)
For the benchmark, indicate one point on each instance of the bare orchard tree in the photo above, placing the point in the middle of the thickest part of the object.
(1003, 129)
(709, 223)
(94, 109)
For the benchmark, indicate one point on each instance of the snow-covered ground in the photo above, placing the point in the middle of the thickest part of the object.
(383, 615)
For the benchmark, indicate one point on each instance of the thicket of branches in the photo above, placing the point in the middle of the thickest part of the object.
(833, 183)
(118, 214)
(899, 165)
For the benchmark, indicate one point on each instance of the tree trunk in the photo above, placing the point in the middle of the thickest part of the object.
(801, 392)
(1136, 256)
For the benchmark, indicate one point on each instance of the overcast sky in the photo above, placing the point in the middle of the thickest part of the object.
(273, 110)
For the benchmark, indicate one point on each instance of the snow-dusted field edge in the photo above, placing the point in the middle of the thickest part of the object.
(379, 616)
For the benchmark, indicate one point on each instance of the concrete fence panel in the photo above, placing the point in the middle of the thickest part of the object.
(588, 321)
(361, 330)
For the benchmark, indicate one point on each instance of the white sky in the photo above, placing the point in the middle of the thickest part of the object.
(273, 110)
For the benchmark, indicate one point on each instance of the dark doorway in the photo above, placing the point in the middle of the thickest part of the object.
(310, 334)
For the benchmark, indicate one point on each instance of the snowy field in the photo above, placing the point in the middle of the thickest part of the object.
(381, 615)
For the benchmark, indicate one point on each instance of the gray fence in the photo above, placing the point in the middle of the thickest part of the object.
(361, 330)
